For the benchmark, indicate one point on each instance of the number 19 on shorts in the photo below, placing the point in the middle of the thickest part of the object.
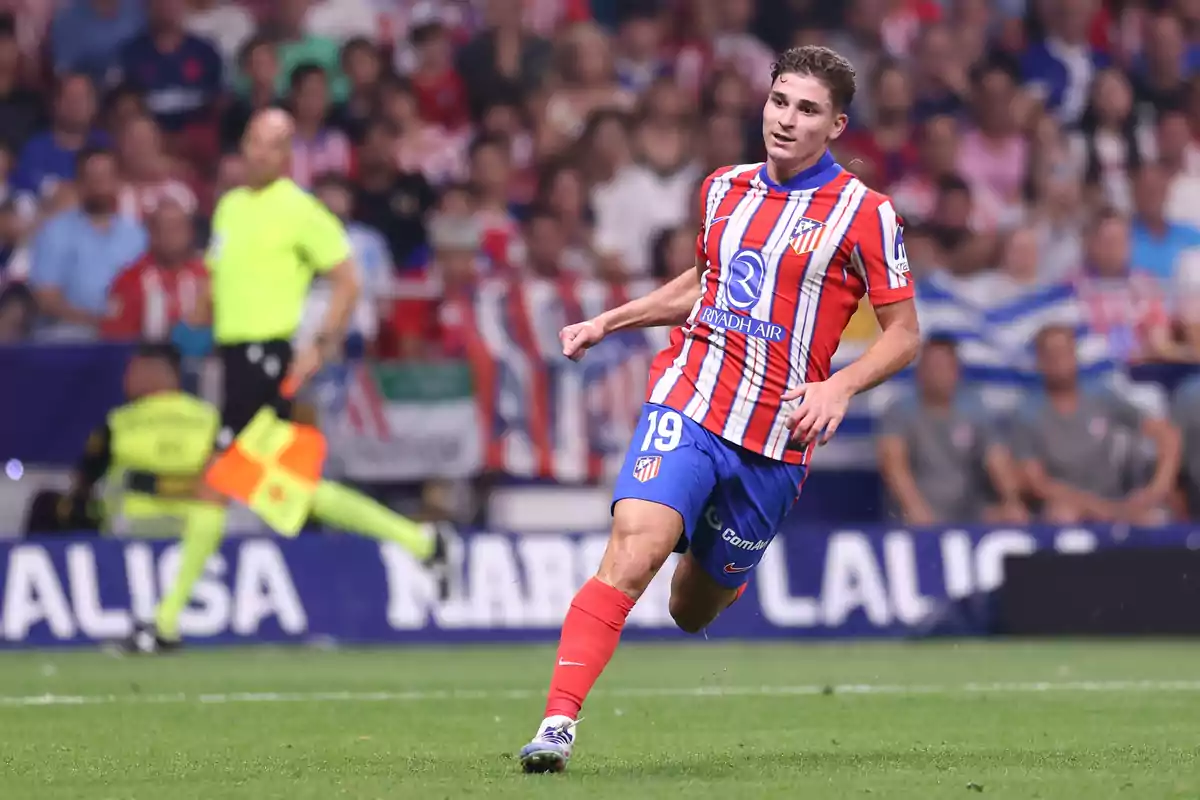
(663, 431)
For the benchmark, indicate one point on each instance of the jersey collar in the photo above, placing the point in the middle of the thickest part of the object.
(819, 174)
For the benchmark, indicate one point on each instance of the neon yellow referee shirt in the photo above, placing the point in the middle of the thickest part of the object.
(266, 246)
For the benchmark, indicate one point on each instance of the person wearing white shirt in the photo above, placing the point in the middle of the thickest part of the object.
(643, 199)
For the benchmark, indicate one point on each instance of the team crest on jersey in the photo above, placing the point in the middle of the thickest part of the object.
(806, 236)
(646, 468)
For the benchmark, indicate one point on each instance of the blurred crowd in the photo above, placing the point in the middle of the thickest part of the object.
(1043, 153)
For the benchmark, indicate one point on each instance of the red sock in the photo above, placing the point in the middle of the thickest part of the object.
(590, 635)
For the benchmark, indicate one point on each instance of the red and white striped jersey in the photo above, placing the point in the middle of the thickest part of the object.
(784, 268)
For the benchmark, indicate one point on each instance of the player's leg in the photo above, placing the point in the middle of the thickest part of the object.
(696, 597)
(662, 486)
(750, 501)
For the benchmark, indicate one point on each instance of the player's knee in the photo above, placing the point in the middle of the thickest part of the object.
(634, 555)
(688, 618)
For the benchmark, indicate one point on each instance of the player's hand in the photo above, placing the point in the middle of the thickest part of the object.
(577, 338)
(822, 409)
(306, 363)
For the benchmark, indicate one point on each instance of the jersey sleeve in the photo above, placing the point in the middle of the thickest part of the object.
(880, 246)
(323, 241)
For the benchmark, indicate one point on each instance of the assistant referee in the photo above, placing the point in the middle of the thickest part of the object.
(269, 239)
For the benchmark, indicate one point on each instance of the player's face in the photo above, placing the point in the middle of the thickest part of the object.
(799, 120)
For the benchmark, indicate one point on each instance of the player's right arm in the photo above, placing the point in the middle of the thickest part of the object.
(669, 304)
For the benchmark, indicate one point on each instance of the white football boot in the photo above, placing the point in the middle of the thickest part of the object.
(551, 749)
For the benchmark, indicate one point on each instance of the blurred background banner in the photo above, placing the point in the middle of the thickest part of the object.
(53, 396)
(395, 421)
(813, 583)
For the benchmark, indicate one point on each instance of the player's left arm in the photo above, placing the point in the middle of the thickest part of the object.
(879, 250)
(326, 247)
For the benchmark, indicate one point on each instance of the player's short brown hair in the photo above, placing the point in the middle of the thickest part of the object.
(828, 66)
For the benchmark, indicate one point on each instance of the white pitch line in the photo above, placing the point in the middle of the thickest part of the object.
(530, 694)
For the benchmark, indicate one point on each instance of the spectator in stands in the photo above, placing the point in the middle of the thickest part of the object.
(491, 169)
(17, 312)
(639, 48)
(941, 84)
(391, 201)
(642, 198)
(1127, 305)
(504, 54)
(915, 195)
(545, 251)
(504, 119)
(1059, 68)
(317, 148)
(49, 158)
(79, 252)
(887, 146)
(122, 103)
(259, 64)
(562, 190)
(589, 85)
(965, 249)
(1179, 156)
(1110, 141)
(228, 25)
(993, 156)
(1186, 415)
(736, 46)
(724, 143)
(147, 172)
(1079, 448)
(162, 288)
(1162, 79)
(363, 65)
(296, 45)
(86, 36)
(420, 146)
(939, 454)
(375, 271)
(441, 93)
(1057, 214)
(19, 107)
(179, 75)
(1157, 243)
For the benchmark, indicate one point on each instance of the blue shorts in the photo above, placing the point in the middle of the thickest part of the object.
(731, 499)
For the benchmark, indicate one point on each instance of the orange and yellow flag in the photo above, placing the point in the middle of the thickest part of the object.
(273, 467)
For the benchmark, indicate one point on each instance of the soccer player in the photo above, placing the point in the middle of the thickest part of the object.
(269, 239)
(786, 250)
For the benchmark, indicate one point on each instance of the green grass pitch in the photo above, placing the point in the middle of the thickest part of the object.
(1053, 720)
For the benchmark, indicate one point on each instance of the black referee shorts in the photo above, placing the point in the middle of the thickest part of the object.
(252, 375)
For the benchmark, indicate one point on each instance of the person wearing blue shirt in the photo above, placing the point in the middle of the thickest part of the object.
(1157, 243)
(77, 253)
(178, 74)
(49, 158)
(86, 35)
(1060, 66)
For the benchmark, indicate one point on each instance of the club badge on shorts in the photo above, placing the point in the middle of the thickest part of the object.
(646, 467)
